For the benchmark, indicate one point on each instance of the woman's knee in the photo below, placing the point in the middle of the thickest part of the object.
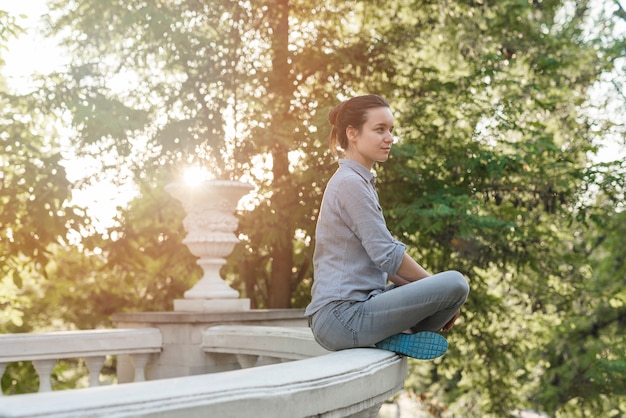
(458, 283)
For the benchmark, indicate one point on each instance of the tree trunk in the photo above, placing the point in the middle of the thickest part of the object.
(281, 90)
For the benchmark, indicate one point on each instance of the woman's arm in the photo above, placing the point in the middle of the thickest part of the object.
(409, 271)
(397, 280)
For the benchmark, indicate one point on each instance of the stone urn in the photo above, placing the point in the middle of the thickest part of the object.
(210, 223)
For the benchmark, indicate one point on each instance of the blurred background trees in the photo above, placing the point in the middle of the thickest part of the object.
(501, 108)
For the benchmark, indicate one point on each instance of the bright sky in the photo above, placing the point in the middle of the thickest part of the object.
(32, 53)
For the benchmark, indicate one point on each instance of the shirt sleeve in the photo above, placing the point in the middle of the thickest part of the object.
(362, 213)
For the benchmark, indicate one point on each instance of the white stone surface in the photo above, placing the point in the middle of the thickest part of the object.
(291, 343)
(44, 349)
(345, 383)
(211, 305)
(182, 332)
(210, 224)
(71, 344)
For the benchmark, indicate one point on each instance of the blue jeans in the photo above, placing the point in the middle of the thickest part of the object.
(424, 305)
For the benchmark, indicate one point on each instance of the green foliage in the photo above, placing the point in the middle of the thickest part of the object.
(34, 193)
(585, 358)
(196, 69)
(140, 266)
(487, 180)
(20, 377)
(8, 29)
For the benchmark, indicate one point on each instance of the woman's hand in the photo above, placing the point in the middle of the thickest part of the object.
(451, 322)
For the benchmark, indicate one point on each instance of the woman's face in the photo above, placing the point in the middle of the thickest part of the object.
(373, 143)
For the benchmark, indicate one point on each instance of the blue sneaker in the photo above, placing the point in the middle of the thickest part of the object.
(421, 345)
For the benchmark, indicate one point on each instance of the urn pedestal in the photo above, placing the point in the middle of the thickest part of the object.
(210, 223)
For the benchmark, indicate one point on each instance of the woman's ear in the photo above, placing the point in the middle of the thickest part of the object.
(351, 132)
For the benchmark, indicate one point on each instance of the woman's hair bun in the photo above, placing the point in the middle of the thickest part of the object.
(334, 113)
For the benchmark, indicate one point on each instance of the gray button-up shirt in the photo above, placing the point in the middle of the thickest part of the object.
(354, 250)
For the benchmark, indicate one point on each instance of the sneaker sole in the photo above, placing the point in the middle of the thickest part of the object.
(421, 345)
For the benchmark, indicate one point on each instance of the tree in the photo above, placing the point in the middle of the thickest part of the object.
(488, 180)
(138, 267)
(35, 214)
(585, 362)
(260, 69)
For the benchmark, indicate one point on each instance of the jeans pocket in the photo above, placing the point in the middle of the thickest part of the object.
(345, 316)
(331, 327)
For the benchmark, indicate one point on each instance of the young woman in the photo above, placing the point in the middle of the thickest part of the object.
(355, 254)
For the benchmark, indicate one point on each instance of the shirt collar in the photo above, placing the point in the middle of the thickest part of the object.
(359, 169)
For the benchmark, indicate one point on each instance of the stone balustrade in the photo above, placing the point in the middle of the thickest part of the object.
(260, 345)
(44, 349)
(350, 383)
(294, 377)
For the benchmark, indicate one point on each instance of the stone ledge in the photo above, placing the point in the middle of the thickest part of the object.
(255, 315)
(279, 342)
(341, 384)
(211, 305)
(71, 344)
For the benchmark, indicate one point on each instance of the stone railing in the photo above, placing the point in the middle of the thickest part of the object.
(44, 349)
(351, 383)
(298, 378)
(261, 345)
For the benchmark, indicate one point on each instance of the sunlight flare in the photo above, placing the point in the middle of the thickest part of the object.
(195, 175)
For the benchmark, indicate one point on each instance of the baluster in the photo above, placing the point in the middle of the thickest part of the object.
(247, 360)
(44, 370)
(94, 364)
(266, 360)
(140, 360)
